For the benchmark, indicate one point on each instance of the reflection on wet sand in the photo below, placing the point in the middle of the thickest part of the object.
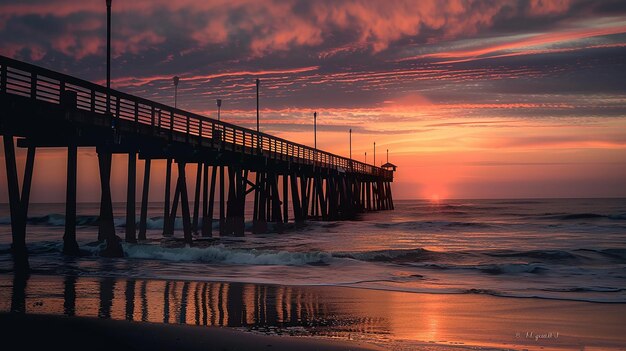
(405, 319)
(183, 302)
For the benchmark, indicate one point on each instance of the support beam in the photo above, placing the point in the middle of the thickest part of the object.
(26, 184)
(166, 208)
(70, 246)
(196, 203)
(285, 197)
(207, 227)
(237, 207)
(295, 199)
(106, 230)
(18, 222)
(143, 216)
(232, 201)
(259, 224)
(305, 196)
(106, 226)
(316, 181)
(184, 198)
(320, 197)
(222, 203)
(275, 204)
(131, 203)
(368, 187)
(205, 201)
(255, 210)
(171, 219)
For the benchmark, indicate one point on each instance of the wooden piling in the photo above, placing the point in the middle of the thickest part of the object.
(205, 202)
(196, 203)
(305, 195)
(106, 227)
(18, 223)
(259, 224)
(184, 199)
(70, 246)
(285, 197)
(143, 216)
(26, 184)
(238, 219)
(208, 223)
(231, 202)
(222, 203)
(166, 208)
(295, 199)
(131, 235)
(276, 209)
(171, 221)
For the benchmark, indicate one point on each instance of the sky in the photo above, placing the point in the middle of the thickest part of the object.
(473, 99)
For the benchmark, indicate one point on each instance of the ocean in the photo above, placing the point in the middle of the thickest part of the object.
(562, 249)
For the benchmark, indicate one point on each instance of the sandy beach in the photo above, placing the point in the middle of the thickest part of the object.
(190, 315)
(72, 333)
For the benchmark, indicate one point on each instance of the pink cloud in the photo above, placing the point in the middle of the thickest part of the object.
(522, 45)
(135, 43)
(548, 7)
(280, 25)
(138, 81)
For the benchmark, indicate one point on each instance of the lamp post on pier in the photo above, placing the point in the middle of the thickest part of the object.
(219, 107)
(258, 139)
(108, 105)
(350, 143)
(315, 130)
(258, 83)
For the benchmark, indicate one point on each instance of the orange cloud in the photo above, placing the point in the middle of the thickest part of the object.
(274, 25)
(138, 81)
(522, 45)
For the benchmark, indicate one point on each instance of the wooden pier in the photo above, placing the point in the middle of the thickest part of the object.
(47, 109)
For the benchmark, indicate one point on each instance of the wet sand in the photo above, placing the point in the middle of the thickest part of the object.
(76, 333)
(189, 315)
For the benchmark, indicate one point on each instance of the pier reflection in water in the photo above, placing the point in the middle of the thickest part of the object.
(293, 310)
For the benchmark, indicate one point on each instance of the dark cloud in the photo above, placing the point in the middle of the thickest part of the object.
(515, 57)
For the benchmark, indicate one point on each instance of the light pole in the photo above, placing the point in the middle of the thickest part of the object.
(315, 136)
(176, 80)
(315, 130)
(258, 83)
(108, 107)
(219, 107)
(350, 143)
(365, 157)
(387, 155)
(374, 154)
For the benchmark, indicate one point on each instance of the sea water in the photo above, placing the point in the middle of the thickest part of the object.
(567, 249)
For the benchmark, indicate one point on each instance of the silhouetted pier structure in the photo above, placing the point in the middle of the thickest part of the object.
(45, 109)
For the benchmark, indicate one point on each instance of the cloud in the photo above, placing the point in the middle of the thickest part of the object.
(262, 28)
(531, 44)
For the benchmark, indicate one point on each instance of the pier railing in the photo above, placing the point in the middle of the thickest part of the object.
(30, 81)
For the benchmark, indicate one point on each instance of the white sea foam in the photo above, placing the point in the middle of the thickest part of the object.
(223, 255)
